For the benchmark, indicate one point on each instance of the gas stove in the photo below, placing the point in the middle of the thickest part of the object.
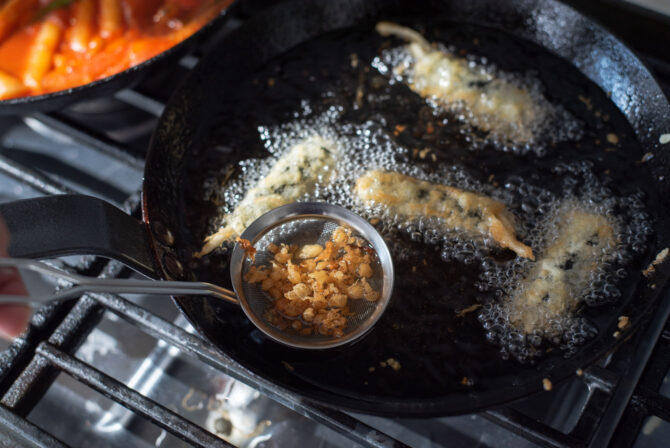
(120, 371)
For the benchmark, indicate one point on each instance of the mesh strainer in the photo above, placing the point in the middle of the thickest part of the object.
(301, 224)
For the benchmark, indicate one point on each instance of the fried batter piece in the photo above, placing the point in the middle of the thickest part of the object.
(472, 213)
(500, 107)
(556, 283)
(293, 175)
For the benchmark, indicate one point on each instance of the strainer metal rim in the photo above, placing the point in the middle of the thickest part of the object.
(291, 212)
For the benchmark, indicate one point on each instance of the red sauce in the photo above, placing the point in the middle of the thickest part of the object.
(87, 40)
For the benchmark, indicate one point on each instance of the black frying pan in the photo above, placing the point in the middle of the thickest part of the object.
(111, 84)
(434, 359)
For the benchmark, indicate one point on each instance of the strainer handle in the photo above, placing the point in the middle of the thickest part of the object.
(83, 284)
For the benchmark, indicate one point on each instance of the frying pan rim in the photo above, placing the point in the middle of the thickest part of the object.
(431, 406)
(7, 106)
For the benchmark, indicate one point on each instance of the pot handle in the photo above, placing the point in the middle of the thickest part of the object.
(53, 226)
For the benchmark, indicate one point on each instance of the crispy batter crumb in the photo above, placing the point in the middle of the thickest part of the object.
(371, 369)
(623, 323)
(647, 157)
(612, 138)
(248, 249)
(271, 82)
(423, 153)
(616, 334)
(469, 309)
(660, 258)
(374, 221)
(311, 286)
(465, 381)
(399, 129)
(288, 366)
(586, 101)
(546, 383)
(392, 363)
(579, 372)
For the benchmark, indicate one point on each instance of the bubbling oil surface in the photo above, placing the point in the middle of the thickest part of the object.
(379, 123)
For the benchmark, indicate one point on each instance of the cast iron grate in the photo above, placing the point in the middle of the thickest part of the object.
(623, 390)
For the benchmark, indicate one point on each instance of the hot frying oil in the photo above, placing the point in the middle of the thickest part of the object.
(349, 97)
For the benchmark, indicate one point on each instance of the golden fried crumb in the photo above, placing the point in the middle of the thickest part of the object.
(469, 309)
(660, 258)
(579, 372)
(586, 101)
(399, 129)
(392, 363)
(546, 383)
(647, 157)
(612, 138)
(623, 322)
(288, 366)
(311, 285)
(616, 334)
(248, 248)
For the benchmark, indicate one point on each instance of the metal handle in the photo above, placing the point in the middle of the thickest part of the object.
(84, 284)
